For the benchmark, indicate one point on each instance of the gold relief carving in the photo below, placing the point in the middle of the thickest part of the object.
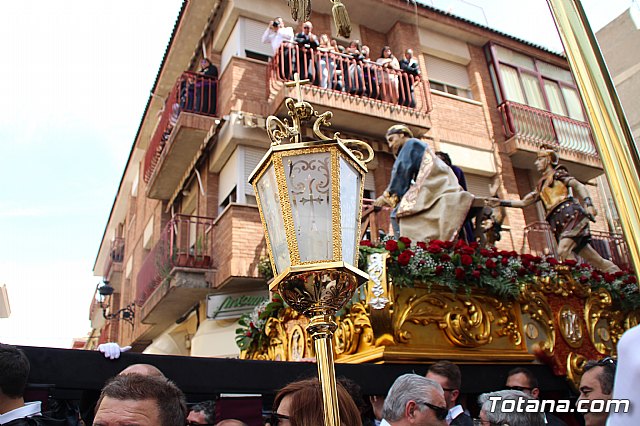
(466, 322)
(508, 321)
(336, 217)
(632, 320)
(570, 326)
(535, 305)
(605, 325)
(575, 368)
(353, 328)
(297, 343)
(275, 331)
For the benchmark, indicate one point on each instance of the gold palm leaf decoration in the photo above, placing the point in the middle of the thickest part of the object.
(341, 18)
(300, 9)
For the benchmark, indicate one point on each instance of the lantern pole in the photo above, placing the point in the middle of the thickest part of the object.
(612, 134)
(318, 286)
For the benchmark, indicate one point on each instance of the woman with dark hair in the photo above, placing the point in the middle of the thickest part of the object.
(300, 404)
(389, 78)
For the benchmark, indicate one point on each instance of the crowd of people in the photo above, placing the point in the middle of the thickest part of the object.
(350, 69)
(142, 395)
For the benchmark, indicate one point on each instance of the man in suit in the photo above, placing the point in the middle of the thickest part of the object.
(522, 379)
(448, 375)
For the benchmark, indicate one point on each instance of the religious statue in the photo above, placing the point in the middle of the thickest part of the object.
(568, 218)
(428, 201)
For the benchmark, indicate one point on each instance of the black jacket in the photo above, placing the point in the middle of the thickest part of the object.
(36, 421)
(462, 420)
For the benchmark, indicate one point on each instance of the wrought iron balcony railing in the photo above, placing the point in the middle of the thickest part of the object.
(539, 127)
(194, 93)
(185, 243)
(116, 255)
(351, 75)
(540, 241)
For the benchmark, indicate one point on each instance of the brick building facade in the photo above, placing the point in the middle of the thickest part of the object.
(185, 214)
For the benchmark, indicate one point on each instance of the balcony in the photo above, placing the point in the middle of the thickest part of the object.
(188, 114)
(174, 275)
(363, 96)
(113, 267)
(527, 129)
(539, 240)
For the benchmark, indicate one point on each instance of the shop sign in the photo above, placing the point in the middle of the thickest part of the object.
(221, 306)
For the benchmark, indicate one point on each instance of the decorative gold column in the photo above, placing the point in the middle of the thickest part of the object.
(321, 329)
(611, 131)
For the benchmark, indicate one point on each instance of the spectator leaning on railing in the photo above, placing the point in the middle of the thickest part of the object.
(277, 34)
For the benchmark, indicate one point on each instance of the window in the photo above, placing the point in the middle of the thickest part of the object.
(245, 40)
(536, 83)
(233, 184)
(449, 77)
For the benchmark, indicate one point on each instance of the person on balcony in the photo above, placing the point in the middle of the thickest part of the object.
(424, 192)
(355, 83)
(568, 218)
(389, 78)
(206, 99)
(326, 62)
(370, 74)
(278, 35)
(411, 73)
(307, 43)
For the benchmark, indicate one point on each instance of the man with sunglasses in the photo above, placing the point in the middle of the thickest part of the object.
(447, 374)
(414, 400)
(523, 380)
(596, 383)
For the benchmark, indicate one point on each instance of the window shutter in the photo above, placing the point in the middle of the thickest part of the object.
(253, 31)
(252, 157)
(228, 177)
(479, 185)
(447, 72)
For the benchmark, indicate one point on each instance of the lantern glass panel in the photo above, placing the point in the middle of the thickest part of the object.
(268, 192)
(350, 181)
(309, 184)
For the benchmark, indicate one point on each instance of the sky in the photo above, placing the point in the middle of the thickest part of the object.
(75, 77)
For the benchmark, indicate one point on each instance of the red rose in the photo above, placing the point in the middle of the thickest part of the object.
(466, 260)
(475, 274)
(631, 279)
(439, 269)
(595, 275)
(527, 256)
(405, 240)
(537, 259)
(366, 243)
(473, 245)
(583, 279)
(485, 252)
(619, 274)
(405, 257)
(467, 250)
(251, 325)
(438, 243)
(609, 278)
(391, 245)
(447, 244)
(522, 272)
(504, 261)
(460, 244)
(585, 266)
(552, 261)
(445, 257)
(248, 334)
(422, 245)
(494, 273)
(570, 262)
(460, 274)
(490, 264)
(434, 249)
(505, 253)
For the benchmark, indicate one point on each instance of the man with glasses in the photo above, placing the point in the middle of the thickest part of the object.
(447, 374)
(414, 400)
(596, 383)
(492, 413)
(523, 380)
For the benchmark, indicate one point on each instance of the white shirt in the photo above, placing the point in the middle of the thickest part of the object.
(627, 378)
(384, 423)
(29, 409)
(277, 37)
(453, 413)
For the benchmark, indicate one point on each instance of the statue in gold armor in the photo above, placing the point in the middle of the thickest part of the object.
(568, 218)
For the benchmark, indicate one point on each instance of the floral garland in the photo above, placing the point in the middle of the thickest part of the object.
(460, 267)
(250, 335)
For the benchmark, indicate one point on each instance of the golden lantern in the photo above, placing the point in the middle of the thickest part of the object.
(310, 199)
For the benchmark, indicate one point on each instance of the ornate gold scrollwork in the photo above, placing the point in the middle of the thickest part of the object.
(570, 326)
(353, 328)
(277, 334)
(465, 321)
(605, 325)
(575, 367)
(508, 321)
(534, 304)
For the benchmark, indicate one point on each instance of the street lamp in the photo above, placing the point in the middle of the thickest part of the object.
(310, 199)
